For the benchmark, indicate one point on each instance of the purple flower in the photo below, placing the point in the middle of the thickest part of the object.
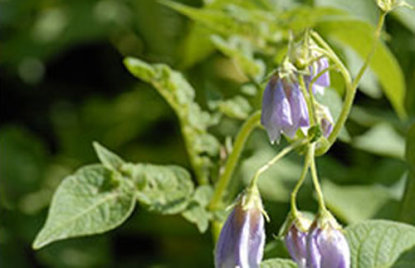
(295, 241)
(323, 80)
(284, 109)
(324, 118)
(241, 240)
(326, 245)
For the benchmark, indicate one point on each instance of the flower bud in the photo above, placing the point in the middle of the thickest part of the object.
(241, 240)
(324, 118)
(284, 109)
(324, 79)
(326, 245)
(296, 239)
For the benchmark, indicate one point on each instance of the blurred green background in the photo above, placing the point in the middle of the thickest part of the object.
(63, 86)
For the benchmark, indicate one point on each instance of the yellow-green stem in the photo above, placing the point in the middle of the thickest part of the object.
(274, 160)
(351, 87)
(314, 176)
(250, 124)
(300, 182)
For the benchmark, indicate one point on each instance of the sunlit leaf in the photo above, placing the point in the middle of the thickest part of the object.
(382, 139)
(180, 96)
(108, 158)
(346, 200)
(162, 189)
(379, 243)
(92, 201)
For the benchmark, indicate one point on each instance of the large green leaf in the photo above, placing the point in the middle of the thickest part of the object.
(382, 139)
(91, 201)
(408, 200)
(346, 201)
(163, 189)
(278, 263)
(379, 243)
(194, 121)
(359, 35)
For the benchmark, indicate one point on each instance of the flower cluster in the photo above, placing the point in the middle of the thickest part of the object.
(321, 245)
(284, 106)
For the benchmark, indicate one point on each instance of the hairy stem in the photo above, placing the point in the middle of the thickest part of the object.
(351, 87)
(300, 182)
(274, 160)
(250, 124)
(314, 176)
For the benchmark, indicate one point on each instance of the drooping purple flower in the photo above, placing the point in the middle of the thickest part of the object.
(326, 245)
(284, 109)
(295, 241)
(242, 238)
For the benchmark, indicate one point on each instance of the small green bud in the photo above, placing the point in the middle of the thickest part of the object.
(389, 5)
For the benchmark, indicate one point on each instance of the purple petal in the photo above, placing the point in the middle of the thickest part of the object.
(313, 253)
(327, 248)
(257, 241)
(326, 126)
(324, 79)
(241, 241)
(276, 111)
(295, 241)
(299, 111)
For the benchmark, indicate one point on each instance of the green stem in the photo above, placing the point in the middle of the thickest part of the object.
(274, 160)
(319, 192)
(372, 50)
(351, 87)
(300, 182)
(250, 124)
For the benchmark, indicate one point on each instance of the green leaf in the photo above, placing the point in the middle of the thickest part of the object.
(406, 260)
(410, 148)
(254, 24)
(198, 215)
(237, 107)
(242, 52)
(382, 139)
(203, 194)
(108, 158)
(379, 243)
(196, 212)
(278, 263)
(162, 189)
(346, 201)
(193, 120)
(92, 201)
(359, 36)
(408, 201)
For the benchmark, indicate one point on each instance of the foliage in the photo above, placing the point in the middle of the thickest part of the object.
(66, 87)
